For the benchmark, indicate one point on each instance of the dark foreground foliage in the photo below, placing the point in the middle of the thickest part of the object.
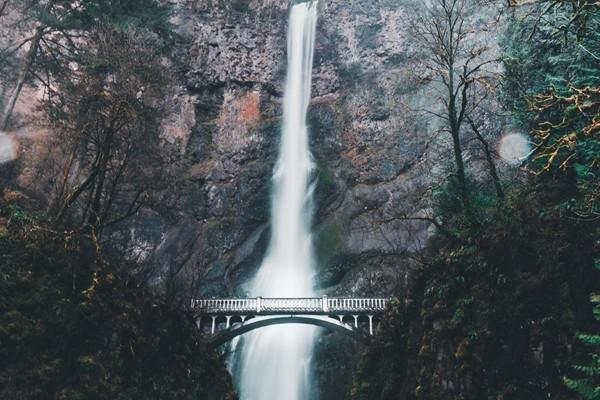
(73, 327)
(587, 385)
(494, 317)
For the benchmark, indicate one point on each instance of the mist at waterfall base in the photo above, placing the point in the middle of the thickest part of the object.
(273, 363)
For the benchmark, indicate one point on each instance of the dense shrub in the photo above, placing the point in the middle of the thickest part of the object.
(73, 326)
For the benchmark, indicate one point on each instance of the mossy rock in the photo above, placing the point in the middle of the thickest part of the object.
(328, 241)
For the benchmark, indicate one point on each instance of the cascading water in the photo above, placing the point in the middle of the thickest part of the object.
(274, 363)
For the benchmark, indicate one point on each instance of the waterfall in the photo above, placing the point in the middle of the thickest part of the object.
(274, 363)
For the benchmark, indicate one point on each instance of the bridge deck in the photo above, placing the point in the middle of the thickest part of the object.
(273, 306)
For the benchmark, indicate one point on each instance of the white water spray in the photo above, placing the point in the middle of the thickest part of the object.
(275, 361)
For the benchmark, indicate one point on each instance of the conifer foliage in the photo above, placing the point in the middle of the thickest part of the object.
(588, 385)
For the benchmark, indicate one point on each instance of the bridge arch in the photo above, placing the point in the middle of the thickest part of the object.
(258, 322)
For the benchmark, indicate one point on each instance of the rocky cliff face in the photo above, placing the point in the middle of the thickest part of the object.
(364, 141)
(369, 147)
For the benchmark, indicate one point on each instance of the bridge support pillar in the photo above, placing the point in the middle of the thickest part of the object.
(355, 321)
(228, 320)
(214, 323)
(370, 325)
(199, 323)
(341, 317)
(243, 317)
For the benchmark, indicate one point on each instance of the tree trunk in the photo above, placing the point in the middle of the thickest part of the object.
(489, 159)
(94, 220)
(74, 196)
(25, 68)
(456, 146)
(95, 217)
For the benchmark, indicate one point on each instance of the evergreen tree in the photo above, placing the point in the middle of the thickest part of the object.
(61, 32)
(589, 385)
(107, 125)
(554, 89)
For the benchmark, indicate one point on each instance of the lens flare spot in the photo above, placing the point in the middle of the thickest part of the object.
(514, 148)
(8, 148)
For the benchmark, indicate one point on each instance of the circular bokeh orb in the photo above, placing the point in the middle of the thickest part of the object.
(8, 148)
(514, 148)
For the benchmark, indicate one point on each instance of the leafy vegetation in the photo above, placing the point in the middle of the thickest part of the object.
(495, 309)
(492, 317)
(60, 34)
(75, 326)
(107, 124)
(553, 87)
(589, 386)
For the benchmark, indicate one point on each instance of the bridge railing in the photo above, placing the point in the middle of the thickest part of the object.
(349, 304)
(261, 305)
(219, 305)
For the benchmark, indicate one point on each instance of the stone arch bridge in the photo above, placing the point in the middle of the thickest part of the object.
(224, 319)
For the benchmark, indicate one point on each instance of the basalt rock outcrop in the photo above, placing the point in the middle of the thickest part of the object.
(364, 141)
